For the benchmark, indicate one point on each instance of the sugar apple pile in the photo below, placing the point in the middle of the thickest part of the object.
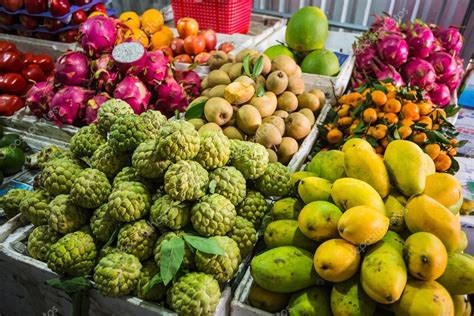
(134, 192)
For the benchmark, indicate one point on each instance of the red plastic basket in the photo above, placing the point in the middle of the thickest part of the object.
(223, 16)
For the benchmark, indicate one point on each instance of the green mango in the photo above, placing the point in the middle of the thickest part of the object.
(286, 232)
(458, 278)
(312, 301)
(287, 208)
(328, 165)
(349, 299)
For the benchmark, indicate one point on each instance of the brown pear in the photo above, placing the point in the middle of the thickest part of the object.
(308, 100)
(235, 71)
(209, 127)
(277, 121)
(217, 77)
(287, 101)
(288, 147)
(248, 119)
(277, 82)
(226, 67)
(217, 91)
(218, 110)
(297, 126)
(266, 104)
(284, 63)
(320, 94)
(217, 59)
(268, 135)
(233, 132)
(309, 115)
(295, 85)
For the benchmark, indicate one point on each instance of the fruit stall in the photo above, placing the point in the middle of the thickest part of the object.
(217, 158)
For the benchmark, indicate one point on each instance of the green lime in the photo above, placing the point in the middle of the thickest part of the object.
(12, 160)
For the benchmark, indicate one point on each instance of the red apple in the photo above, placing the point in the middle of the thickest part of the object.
(183, 58)
(210, 38)
(99, 7)
(187, 27)
(59, 7)
(52, 24)
(29, 22)
(69, 36)
(177, 45)
(226, 47)
(36, 6)
(202, 58)
(194, 44)
(79, 17)
(12, 5)
(80, 3)
(7, 19)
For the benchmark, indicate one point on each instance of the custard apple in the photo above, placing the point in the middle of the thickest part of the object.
(168, 214)
(73, 255)
(249, 158)
(126, 133)
(153, 121)
(188, 260)
(49, 153)
(109, 111)
(253, 208)
(117, 274)
(107, 161)
(244, 234)
(65, 217)
(158, 291)
(137, 239)
(195, 294)
(129, 201)
(178, 140)
(222, 268)
(91, 189)
(10, 202)
(186, 181)
(40, 240)
(102, 224)
(59, 175)
(106, 250)
(127, 174)
(214, 151)
(228, 182)
(213, 215)
(147, 163)
(35, 207)
(86, 141)
(275, 181)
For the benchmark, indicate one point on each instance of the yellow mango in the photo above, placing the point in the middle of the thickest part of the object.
(300, 175)
(362, 225)
(349, 192)
(312, 301)
(356, 143)
(286, 232)
(395, 241)
(367, 166)
(328, 165)
(424, 214)
(314, 189)
(430, 167)
(336, 260)
(422, 298)
(348, 298)
(266, 300)
(462, 306)
(396, 213)
(405, 162)
(286, 208)
(425, 256)
(318, 220)
(445, 189)
(458, 278)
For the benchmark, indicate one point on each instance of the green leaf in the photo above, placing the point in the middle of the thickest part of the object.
(112, 237)
(387, 80)
(171, 257)
(258, 67)
(359, 128)
(441, 138)
(361, 88)
(396, 134)
(372, 141)
(212, 186)
(461, 143)
(70, 285)
(156, 279)
(195, 109)
(260, 90)
(451, 110)
(380, 87)
(206, 245)
(246, 63)
(454, 166)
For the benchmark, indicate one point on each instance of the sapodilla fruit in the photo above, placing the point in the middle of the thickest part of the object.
(297, 126)
(280, 113)
(277, 82)
(245, 79)
(217, 77)
(239, 92)
(266, 104)
(217, 59)
(248, 51)
(248, 119)
(209, 127)
(309, 115)
(295, 85)
(287, 101)
(268, 135)
(308, 100)
(288, 147)
(277, 121)
(218, 110)
(217, 91)
(320, 94)
(272, 156)
(235, 71)
(284, 63)
(226, 67)
(233, 132)
(197, 123)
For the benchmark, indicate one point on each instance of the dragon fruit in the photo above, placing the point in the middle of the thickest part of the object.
(444, 65)
(384, 23)
(106, 74)
(358, 79)
(364, 55)
(68, 105)
(190, 81)
(440, 95)
(450, 38)
(420, 39)
(156, 67)
(171, 96)
(383, 71)
(454, 82)
(39, 97)
(72, 69)
(93, 106)
(134, 92)
(393, 49)
(130, 57)
(98, 35)
(419, 72)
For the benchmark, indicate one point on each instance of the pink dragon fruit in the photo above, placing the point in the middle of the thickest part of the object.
(93, 106)
(364, 54)
(420, 39)
(393, 49)
(72, 69)
(444, 65)
(98, 35)
(358, 79)
(383, 71)
(130, 57)
(440, 94)
(454, 82)
(190, 81)
(384, 23)
(156, 67)
(134, 92)
(106, 74)
(171, 96)
(68, 105)
(39, 97)
(419, 72)
(450, 38)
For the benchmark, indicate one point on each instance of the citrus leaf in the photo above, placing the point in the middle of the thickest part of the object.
(380, 87)
(156, 279)
(461, 143)
(372, 141)
(246, 63)
(70, 285)
(171, 257)
(195, 109)
(206, 245)
(258, 67)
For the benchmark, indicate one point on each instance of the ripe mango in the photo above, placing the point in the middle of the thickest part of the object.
(462, 306)
(426, 214)
(396, 213)
(300, 175)
(405, 162)
(314, 189)
(362, 225)
(286, 208)
(424, 298)
(367, 166)
(458, 278)
(266, 300)
(328, 165)
(349, 192)
(284, 269)
(425, 256)
(357, 143)
(383, 273)
(318, 220)
(312, 301)
(445, 189)
(336, 260)
(430, 167)
(286, 232)
(348, 298)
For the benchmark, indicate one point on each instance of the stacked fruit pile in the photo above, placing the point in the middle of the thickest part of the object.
(352, 242)
(144, 205)
(381, 112)
(253, 98)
